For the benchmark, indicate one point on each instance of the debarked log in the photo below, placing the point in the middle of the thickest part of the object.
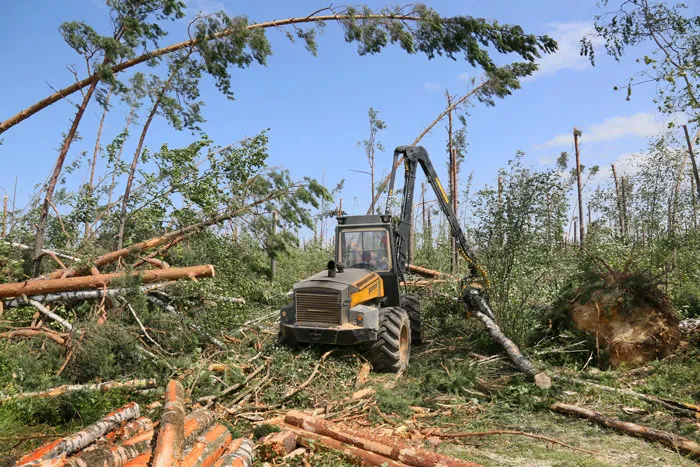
(18, 289)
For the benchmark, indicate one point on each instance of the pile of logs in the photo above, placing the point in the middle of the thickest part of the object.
(356, 446)
(124, 438)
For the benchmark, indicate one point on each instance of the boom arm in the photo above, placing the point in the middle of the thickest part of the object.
(414, 156)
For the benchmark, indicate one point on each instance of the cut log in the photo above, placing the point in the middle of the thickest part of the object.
(111, 455)
(387, 447)
(104, 280)
(131, 429)
(82, 438)
(276, 445)
(195, 423)
(171, 435)
(352, 454)
(679, 443)
(239, 453)
(102, 387)
(421, 271)
(208, 448)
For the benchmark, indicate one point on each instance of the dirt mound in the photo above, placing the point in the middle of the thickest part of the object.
(631, 324)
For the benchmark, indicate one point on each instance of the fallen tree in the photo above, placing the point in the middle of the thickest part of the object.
(679, 443)
(68, 388)
(18, 289)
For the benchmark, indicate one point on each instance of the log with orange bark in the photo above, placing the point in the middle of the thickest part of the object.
(350, 453)
(208, 447)
(678, 443)
(171, 435)
(421, 271)
(386, 447)
(102, 280)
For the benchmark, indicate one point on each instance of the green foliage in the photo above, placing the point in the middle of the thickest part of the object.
(674, 62)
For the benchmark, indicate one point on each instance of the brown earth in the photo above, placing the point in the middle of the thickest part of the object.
(633, 335)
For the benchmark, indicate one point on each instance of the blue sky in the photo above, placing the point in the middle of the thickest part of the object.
(316, 107)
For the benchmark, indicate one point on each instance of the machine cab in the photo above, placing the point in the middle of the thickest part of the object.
(367, 242)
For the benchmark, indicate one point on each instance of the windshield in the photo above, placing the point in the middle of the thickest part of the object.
(367, 249)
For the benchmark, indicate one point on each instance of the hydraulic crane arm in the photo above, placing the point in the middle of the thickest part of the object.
(414, 156)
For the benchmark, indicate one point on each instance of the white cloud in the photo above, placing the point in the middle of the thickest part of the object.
(642, 124)
(568, 56)
(430, 86)
(628, 163)
(206, 7)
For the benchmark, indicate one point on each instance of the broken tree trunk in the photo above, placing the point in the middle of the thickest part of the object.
(677, 442)
(171, 435)
(668, 403)
(239, 453)
(160, 240)
(391, 448)
(208, 448)
(103, 280)
(66, 388)
(518, 359)
(83, 438)
(59, 338)
(50, 314)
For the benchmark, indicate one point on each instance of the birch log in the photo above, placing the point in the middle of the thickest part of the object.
(82, 438)
(239, 453)
(102, 387)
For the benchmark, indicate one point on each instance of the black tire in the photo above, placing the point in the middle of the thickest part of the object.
(411, 303)
(281, 340)
(392, 349)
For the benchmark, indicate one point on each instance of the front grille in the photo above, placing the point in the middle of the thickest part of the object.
(318, 307)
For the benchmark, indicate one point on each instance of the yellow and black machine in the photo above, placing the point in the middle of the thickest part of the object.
(358, 299)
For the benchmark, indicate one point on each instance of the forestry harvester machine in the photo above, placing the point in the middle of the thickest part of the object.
(358, 299)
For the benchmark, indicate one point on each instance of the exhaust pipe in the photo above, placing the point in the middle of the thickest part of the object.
(331, 268)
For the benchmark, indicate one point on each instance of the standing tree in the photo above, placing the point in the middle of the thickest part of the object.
(371, 145)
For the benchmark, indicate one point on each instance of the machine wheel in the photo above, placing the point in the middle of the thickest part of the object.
(392, 349)
(280, 338)
(411, 303)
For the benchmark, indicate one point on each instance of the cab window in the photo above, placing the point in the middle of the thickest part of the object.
(367, 249)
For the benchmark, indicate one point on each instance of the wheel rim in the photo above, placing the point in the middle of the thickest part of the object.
(403, 344)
